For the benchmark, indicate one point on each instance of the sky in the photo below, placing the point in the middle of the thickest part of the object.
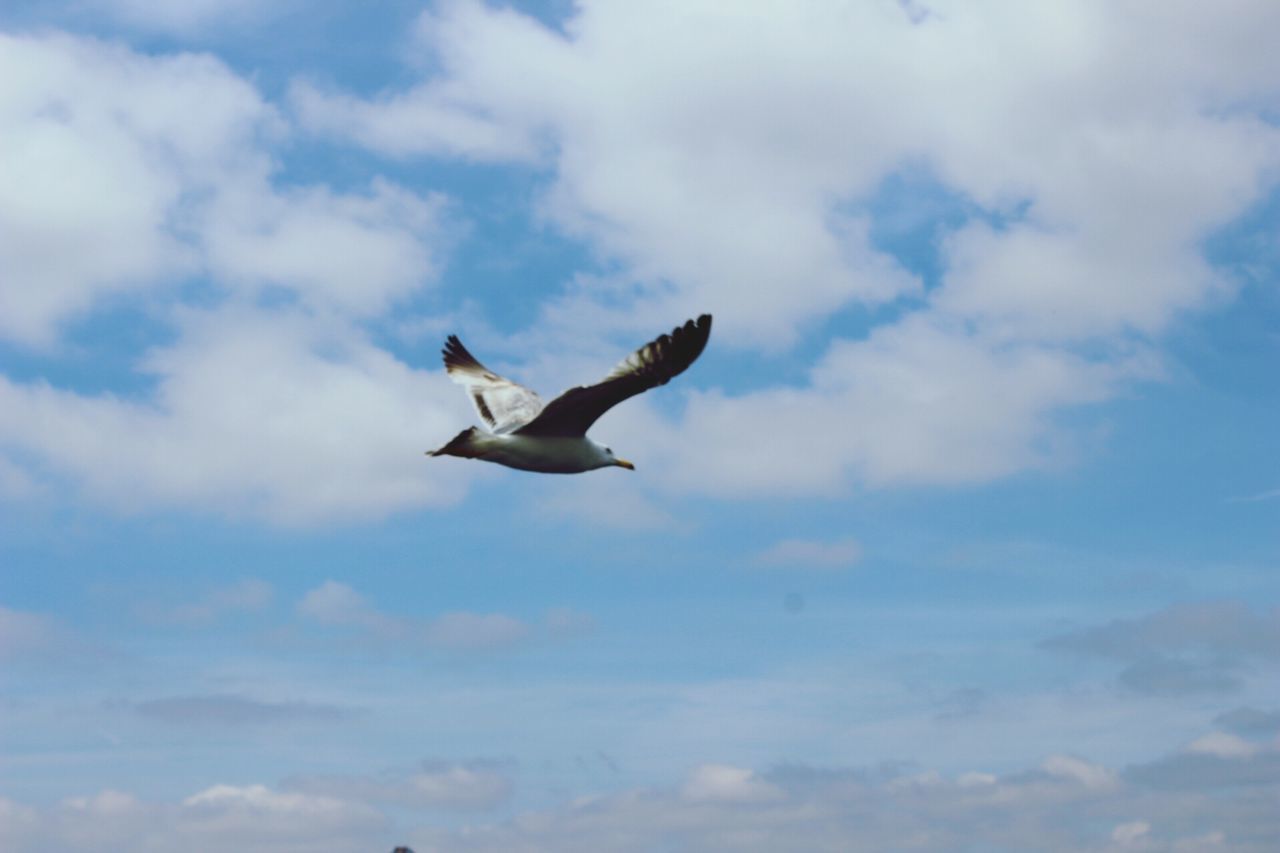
(961, 535)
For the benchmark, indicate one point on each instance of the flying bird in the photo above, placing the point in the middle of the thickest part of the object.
(525, 434)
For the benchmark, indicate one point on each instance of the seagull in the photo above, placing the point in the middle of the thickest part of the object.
(552, 439)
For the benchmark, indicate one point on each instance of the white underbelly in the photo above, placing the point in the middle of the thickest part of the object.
(539, 453)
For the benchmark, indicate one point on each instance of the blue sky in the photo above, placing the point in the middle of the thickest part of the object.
(962, 534)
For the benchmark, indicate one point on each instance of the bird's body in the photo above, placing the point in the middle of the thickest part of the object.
(552, 439)
(544, 454)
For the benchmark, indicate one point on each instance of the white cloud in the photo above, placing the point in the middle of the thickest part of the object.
(916, 403)
(1206, 843)
(245, 596)
(1213, 762)
(104, 154)
(288, 413)
(259, 798)
(254, 814)
(464, 631)
(25, 635)
(468, 786)
(255, 414)
(1224, 626)
(454, 116)
(17, 484)
(334, 603)
(106, 803)
(17, 821)
(563, 622)
(249, 818)
(353, 254)
(1250, 721)
(1131, 834)
(1198, 647)
(1064, 804)
(758, 122)
(791, 553)
(459, 787)
(738, 174)
(423, 121)
(1086, 773)
(727, 784)
(1223, 745)
(1269, 494)
(639, 140)
(974, 779)
(806, 808)
(233, 710)
(337, 605)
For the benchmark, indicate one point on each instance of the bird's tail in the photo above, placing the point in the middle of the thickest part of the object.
(460, 445)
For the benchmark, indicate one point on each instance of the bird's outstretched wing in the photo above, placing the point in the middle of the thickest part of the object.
(654, 364)
(503, 405)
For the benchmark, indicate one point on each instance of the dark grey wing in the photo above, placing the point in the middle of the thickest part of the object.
(503, 405)
(654, 364)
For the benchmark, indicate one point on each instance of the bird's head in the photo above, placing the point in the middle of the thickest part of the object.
(616, 461)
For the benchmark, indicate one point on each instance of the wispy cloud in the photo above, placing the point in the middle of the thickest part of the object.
(1183, 649)
(25, 635)
(235, 710)
(336, 605)
(37, 638)
(1216, 793)
(1270, 494)
(451, 786)
(1220, 627)
(1063, 803)
(250, 595)
(809, 554)
(1250, 721)
(1213, 763)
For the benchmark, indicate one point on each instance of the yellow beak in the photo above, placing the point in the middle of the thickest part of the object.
(622, 463)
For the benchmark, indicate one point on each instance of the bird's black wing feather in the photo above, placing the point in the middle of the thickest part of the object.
(656, 363)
